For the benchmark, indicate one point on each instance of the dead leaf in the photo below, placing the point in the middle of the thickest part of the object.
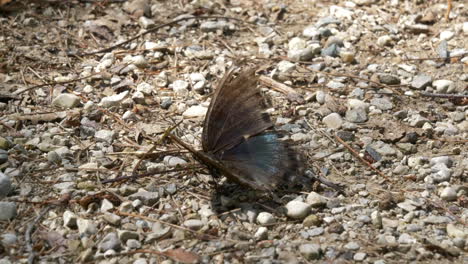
(182, 255)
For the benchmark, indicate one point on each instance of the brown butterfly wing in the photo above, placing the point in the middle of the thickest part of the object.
(262, 162)
(236, 111)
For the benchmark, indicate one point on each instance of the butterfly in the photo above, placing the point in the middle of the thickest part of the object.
(238, 140)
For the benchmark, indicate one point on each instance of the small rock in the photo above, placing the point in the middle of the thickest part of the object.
(376, 218)
(446, 160)
(148, 198)
(347, 56)
(180, 87)
(3, 156)
(195, 111)
(406, 239)
(105, 135)
(110, 241)
(360, 256)
(125, 235)
(455, 232)
(5, 185)
(389, 79)
(297, 137)
(86, 227)
(442, 49)
(448, 194)
(8, 239)
(145, 88)
(297, 209)
(262, 233)
(133, 244)
(69, 219)
(265, 218)
(333, 50)
(382, 103)
(213, 26)
(436, 219)
(421, 81)
(286, 66)
(171, 161)
(446, 35)
(312, 220)
(352, 246)
(335, 85)
(310, 251)
(7, 211)
(66, 100)
(193, 224)
(145, 22)
(444, 86)
(316, 232)
(384, 40)
(316, 200)
(113, 100)
(358, 115)
(166, 102)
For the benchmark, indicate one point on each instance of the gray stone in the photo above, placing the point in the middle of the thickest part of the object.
(195, 111)
(406, 239)
(213, 26)
(194, 224)
(66, 101)
(5, 185)
(456, 232)
(158, 231)
(69, 219)
(297, 209)
(435, 219)
(389, 79)
(262, 233)
(376, 218)
(382, 103)
(7, 211)
(310, 251)
(86, 227)
(360, 256)
(172, 161)
(133, 244)
(325, 21)
(448, 194)
(335, 85)
(333, 121)
(358, 115)
(352, 246)
(444, 86)
(421, 81)
(3, 156)
(148, 198)
(318, 231)
(446, 160)
(8, 239)
(180, 87)
(113, 100)
(166, 102)
(112, 219)
(333, 50)
(442, 49)
(286, 66)
(105, 135)
(384, 40)
(265, 218)
(110, 241)
(125, 235)
(145, 22)
(316, 200)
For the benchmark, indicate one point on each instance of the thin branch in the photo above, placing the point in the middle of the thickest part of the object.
(154, 29)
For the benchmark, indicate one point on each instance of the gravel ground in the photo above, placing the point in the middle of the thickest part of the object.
(373, 94)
